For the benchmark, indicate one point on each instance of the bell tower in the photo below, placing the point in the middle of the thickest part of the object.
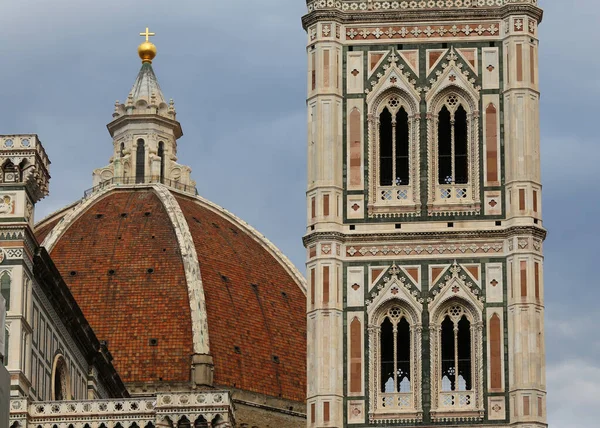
(424, 214)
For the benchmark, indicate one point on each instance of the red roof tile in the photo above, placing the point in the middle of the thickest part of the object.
(104, 257)
(252, 303)
(255, 308)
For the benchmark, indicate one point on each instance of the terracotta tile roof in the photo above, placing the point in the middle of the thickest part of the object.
(129, 306)
(252, 303)
(255, 309)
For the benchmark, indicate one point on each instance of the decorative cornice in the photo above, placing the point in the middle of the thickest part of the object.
(336, 11)
(425, 236)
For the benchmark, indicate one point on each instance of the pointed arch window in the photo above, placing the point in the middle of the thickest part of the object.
(140, 161)
(456, 350)
(394, 154)
(454, 152)
(453, 158)
(456, 354)
(395, 342)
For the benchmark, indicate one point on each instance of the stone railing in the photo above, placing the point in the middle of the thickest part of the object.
(132, 181)
(205, 409)
(383, 5)
(457, 400)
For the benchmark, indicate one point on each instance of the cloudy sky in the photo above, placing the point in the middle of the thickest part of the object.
(236, 70)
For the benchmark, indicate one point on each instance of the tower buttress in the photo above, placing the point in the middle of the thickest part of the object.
(325, 204)
(527, 374)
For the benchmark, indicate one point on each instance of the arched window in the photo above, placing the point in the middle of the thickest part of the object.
(5, 288)
(453, 160)
(394, 144)
(453, 153)
(394, 155)
(122, 150)
(10, 173)
(201, 422)
(395, 339)
(140, 161)
(456, 354)
(60, 380)
(161, 155)
(184, 423)
(395, 353)
(456, 350)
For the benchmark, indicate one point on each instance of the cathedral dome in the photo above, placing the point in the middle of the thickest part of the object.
(164, 276)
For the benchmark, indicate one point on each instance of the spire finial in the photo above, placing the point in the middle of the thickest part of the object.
(147, 50)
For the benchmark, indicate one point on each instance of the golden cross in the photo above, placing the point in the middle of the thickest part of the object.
(148, 34)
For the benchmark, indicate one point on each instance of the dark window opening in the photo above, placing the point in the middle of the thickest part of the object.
(395, 357)
(122, 150)
(448, 369)
(444, 147)
(161, 155)
(402, 136)
(403, 357)
(461, 164)
(387, 356)
(385, 148)
(140, 161)
(456, 355)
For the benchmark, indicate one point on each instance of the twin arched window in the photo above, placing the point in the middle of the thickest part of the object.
(455, 343)
(395, 150)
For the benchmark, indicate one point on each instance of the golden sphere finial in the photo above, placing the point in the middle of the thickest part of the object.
(147, 50)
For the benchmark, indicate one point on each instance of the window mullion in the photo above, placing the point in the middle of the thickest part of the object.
(378, 154)
(452, 148)
(456, 356)
(394, 151)
(395, 357)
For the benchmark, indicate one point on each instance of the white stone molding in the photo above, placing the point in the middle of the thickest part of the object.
(191, 267)
(394, 90)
